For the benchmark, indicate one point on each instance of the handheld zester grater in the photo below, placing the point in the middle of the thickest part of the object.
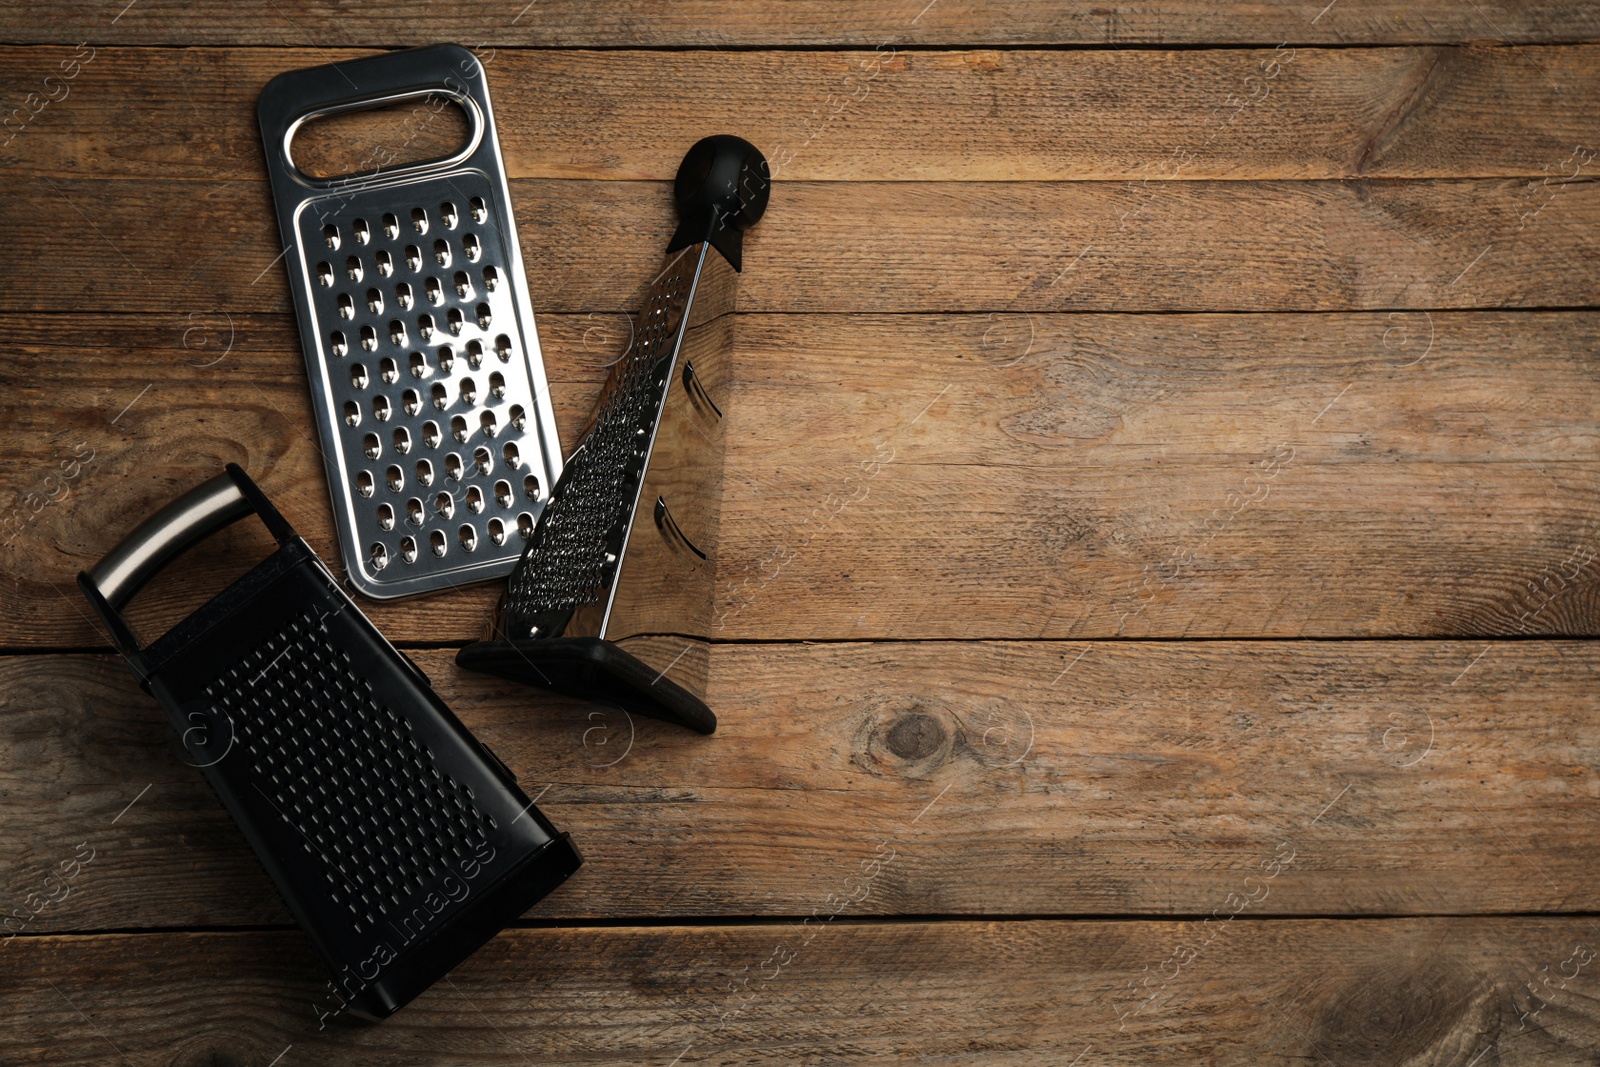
(612, 599)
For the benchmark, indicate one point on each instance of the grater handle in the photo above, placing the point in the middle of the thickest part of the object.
(196, 515)
(299, 96)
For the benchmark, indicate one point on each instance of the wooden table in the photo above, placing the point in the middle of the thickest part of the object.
(1162, 515)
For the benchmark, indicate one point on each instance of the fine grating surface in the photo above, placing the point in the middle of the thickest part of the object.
(430, 393)
(570, 559)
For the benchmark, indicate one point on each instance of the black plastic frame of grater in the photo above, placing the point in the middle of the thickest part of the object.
(399, 841)
(612, 599)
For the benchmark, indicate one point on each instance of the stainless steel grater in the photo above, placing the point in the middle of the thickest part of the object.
(612, 599)
(426, 377)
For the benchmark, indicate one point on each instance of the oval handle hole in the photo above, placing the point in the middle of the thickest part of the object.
(418, 129)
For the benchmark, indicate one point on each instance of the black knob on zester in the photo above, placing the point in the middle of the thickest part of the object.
(722, 189)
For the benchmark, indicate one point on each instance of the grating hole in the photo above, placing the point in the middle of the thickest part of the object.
(385, 263)
(441, 396)
(455, 318)
(330, 236)
(497, 531)
(424, 472)
(525, 524)
(519, 418)
(381, 408)
(445, 505)
(372, 446)
(414, 512)
(385, 517)
(403, 297)
(452, 467)
(436, 542)
(447, 359)
(352, 413)
(474, 499)
(475, 353)
(484, 318)
(497, 385)
(480, 210)
(352, 267)
(402, 440)
(347, 307)
(472, 246)
(419, 365)
(483, 459)
(491, 279)
(447, 215)
(364, 483)
(458, 428)
(425, 326)
(337, 343)
(412, 401)
(530, 485)
(374, 302)
(464, 288)
(502, 348)
(397, 333)
(468, 537)
(510, 453)
(413, 258)
(389, 371)
(391, 225)
(325, 273)
(441, 252)
(434, 290)
(394, 478)
(419, 220)
(502, 494)
(362, 233)
(487, 424)
(358, 376)
(369, 338)
(379, 556)
(469, 391)
(430, 434)
(408, 549)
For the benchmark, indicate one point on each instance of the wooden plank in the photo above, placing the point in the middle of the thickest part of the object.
(1508, 990)
(967, 476)
(1029, 778)
(182, 114)
(143, 245)
(730, 23)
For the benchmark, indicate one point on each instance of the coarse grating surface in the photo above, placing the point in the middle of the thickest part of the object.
(571, 556)
(345, 771)
(432, 402)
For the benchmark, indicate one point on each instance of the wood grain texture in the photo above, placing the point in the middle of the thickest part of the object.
(183, 114)
(1402, 992)
(201, 246)
(1036, 778)
(731, 23)
(967, 476)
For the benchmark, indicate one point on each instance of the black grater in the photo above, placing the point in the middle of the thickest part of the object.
(399, 841)
(612, 598)
(437, 432)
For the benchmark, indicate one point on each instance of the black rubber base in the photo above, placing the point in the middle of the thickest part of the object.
(591, 669)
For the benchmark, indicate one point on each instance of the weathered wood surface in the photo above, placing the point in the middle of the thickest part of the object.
(1068, 323)
(731, 23)
(1409, 991)
(1068, 476)
(1047, 475)
(1044, 778)
(144, 245)
(1428, 112)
